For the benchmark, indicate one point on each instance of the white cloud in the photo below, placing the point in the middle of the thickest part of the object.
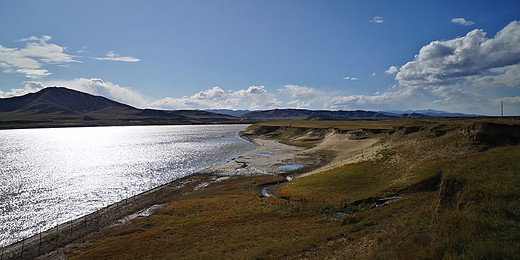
(403, 98)
(42, 39)
(92, 86)
(454, 75)
(350, 78)
(512, 100)
(254, 97)
(392, 70)
(508, 76)
(29, 87)
(448, 98)
(34, 73)
(473, 58)
(457, 74)
(82, 50)
(30, 59)
(462, 21)
(302, 97)
(373, 74)
(112, 56)
(106, 89)
(211, 98)
(210, 94)
(377, 19)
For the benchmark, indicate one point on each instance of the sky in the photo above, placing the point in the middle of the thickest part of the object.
(379, 55)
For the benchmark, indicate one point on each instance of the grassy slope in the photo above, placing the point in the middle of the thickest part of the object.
(453, 201)
(225, 220)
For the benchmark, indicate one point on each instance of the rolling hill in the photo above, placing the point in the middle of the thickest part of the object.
(302, 114)
(58, 106)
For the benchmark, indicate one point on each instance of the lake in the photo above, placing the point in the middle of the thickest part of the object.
(52, 175)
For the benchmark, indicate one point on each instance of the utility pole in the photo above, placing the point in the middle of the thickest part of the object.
(501, 109)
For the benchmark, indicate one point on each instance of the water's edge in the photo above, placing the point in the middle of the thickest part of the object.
(64, 233)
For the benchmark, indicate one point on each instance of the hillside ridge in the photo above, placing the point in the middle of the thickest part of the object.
(59, 106)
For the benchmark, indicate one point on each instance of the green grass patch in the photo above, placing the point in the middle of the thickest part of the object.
(486, 220)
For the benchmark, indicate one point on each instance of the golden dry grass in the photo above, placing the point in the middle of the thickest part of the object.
(226, 220)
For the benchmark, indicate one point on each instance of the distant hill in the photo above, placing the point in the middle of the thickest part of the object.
(432, 113)
(292, 114)
(228, 111)
(58, 106)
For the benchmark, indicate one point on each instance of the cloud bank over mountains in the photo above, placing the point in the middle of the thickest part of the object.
(465, 74)
(254, 97)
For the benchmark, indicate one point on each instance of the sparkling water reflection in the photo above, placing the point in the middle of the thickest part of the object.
(50, 176)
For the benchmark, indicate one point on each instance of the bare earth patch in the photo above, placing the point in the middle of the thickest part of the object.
(265, 160)
(346, 148)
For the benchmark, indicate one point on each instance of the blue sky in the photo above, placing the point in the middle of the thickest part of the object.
(457, 56)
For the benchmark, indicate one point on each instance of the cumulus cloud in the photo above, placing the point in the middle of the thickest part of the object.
(377, 19)
(99, 87)
(254, 97)
(392, 70)
(92, 86)
(210, 98)
(304, 97)
(452, 74)
(112, 56)
(257, 97)
(466, 60)
(462, 21)
(29, 87)
(30, 59)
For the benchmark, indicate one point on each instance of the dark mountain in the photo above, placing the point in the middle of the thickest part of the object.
(65, 107)
(60, 100)
(230, 112)
(303, 114)
(432, 113)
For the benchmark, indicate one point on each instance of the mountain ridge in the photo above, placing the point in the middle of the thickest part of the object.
(303, 114)
(58, 106)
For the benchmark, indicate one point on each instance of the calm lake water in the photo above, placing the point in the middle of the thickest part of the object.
(50, 176)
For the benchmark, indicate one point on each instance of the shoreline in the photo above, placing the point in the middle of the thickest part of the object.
(264, 160)
(47, 185)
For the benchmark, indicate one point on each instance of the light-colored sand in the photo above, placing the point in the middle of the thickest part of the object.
(265, 160)
(272, 154)
(347, 149)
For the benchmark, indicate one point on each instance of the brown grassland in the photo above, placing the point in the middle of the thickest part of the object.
(433, 189)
